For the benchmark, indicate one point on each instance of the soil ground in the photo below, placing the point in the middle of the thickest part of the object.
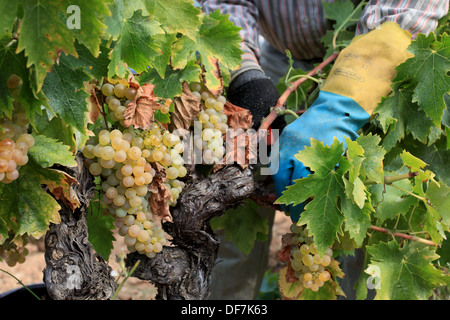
(31, 271)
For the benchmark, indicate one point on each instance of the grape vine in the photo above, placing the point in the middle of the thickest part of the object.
(90, 122)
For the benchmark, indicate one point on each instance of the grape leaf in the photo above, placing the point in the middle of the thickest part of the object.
(399, 116)
(407, 272)
(12, 63)
(140, 111)
(187, 107)
(136, 45)
(8, 11)
(390, 201)
(339, 11)
(26, 207)
(171, 85)
(299, 96)
(183, 51)
(428, 71)
(372, 166)
(121, 11)
(218, 39)
(289, 290)
(164, 42)
(160, 194)
(56, 128)
(357, 220)
(438, 195)
(47, 151)
(64, 88)
(42, 37)
(322, 215)
(92, 12)
(243, 225)
(96, 67)
(180, 16)
(355, 188)
(100, 228)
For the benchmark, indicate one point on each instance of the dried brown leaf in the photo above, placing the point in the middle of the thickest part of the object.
(161, 195)
(186, 108)
(140, 112)
(237, 117)
(94, 108)
(63, 191)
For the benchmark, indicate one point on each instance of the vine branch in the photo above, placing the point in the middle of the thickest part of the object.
(279, 107)
(403, 235)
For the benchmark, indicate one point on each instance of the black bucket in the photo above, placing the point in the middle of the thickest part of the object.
(22, 294)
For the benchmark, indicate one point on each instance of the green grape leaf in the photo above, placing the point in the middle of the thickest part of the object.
(406, 272)
(16, 63)
(218, 38)
(56, 128)
(8, 10)
(391, 201)
(96, 67)
(444, 251)
(136, 45)
(436, 156)
(164, 42)
(172, 84)
(355, 188)
(357, 220)
(322, 215)
(42, 37)
(183, 51)
(428, 71)
(297, 97)
(179, 16)
(243, 225)
(100, 228)
(91, 28)
(399, 116)
(339, 11)
(372, 166)
(26, 207)
(64, 88)
(438, 195)
(47, 151)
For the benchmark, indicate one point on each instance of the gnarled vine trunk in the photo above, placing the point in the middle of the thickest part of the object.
(183, 271)
(73, 270)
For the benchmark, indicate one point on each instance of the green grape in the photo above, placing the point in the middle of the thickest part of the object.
(107, 89)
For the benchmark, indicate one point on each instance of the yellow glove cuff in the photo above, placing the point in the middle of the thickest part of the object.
(364, 70)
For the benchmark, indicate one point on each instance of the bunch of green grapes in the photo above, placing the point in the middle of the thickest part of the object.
(213, 123)
(14, 139)
(166, 148)
(119, 159)
(310, 268)
(12, 253)
(117, 97)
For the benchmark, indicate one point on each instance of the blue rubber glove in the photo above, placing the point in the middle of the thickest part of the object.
(331, 115)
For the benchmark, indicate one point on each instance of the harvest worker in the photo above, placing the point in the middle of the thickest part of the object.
(361, 75)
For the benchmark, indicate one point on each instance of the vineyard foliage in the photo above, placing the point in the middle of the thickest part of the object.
(394, 177)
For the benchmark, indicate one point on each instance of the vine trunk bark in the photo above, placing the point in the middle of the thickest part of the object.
(73, 270)
(183, 271)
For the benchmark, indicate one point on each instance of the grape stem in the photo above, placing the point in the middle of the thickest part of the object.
(125, 279)
(279, 107)
(403, 235)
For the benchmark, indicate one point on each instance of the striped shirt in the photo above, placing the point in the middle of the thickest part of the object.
(298, 25)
